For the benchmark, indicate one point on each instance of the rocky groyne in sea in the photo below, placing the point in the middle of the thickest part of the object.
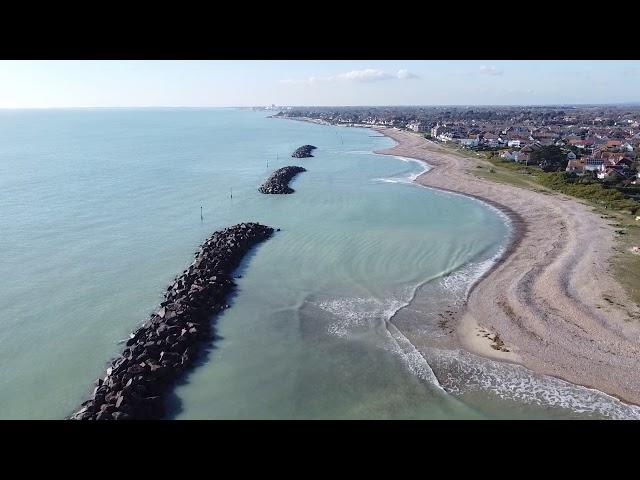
(137, 382)
(278, 181)
(303, 151)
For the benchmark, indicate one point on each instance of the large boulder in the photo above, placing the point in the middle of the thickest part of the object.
(303, 151)
(278, 181)
(138, 381)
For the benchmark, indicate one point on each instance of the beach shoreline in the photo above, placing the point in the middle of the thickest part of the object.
(542, 299)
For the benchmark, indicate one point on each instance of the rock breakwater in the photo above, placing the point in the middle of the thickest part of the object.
(137, 382)
(278, 181)
(303, 151)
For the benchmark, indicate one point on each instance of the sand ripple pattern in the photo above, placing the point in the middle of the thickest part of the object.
(546, 297)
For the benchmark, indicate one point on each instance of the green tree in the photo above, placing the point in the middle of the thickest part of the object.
(550, 158)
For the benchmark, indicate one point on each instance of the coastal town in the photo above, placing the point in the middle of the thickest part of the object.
(599, 142)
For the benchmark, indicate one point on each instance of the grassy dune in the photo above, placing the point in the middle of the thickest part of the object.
(608, 203)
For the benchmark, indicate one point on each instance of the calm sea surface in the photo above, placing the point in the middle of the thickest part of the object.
(100, 209)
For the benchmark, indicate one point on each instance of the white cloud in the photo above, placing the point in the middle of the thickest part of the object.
(367, 75)
(490, 70)
(406, 74)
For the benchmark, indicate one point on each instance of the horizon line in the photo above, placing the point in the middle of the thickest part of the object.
(629, 103)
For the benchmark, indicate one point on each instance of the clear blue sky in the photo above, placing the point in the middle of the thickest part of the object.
(45, 84)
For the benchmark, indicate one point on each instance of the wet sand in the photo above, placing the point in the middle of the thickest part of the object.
(550, 303)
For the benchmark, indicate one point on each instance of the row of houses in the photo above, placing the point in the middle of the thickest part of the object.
(604, 166)
(518, 136)
(603, 163)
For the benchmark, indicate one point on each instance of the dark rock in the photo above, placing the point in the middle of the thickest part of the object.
(278, 181)
(104, 416)
(137, 382)
(169, 357)
(303, 151)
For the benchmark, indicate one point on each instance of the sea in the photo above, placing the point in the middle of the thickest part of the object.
(337, 316)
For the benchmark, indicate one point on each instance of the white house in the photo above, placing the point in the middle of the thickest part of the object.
(437, 130)
(418, 127)
(514, 143)
(447, 137)
(602, 174)
(593, 164)
(469, 142)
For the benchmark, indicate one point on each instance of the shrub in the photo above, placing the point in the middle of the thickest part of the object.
(570, 184)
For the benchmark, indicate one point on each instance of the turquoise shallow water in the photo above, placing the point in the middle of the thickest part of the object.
(100, 209)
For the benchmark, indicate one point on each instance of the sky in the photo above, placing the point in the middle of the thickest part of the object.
(229, 83)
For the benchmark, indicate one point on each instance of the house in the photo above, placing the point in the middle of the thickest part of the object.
(490, 140)
(571, 156)
(612, 171)
(592, 164)
(576, 166)
(613, 158)
(545, 141)
(509, 155)
(448, 137)
(438, 130)
(598, 140)
(516, 156)
(613, 165)
(418, 126)
(544, 136)
(469, 142)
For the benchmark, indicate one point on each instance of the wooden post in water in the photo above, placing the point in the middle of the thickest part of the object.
(231, 192)
(201, 218)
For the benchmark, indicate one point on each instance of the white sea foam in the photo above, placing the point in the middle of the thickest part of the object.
(464, 372)
(408, 177)
(411, 357)
(460, 372)
(353, 314)
(460, 282)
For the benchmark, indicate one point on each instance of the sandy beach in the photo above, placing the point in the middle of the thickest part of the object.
(550, 303)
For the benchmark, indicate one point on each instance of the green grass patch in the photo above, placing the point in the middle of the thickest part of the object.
(609, 203)
(594, 192)
(508, 178)
(626, 265)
